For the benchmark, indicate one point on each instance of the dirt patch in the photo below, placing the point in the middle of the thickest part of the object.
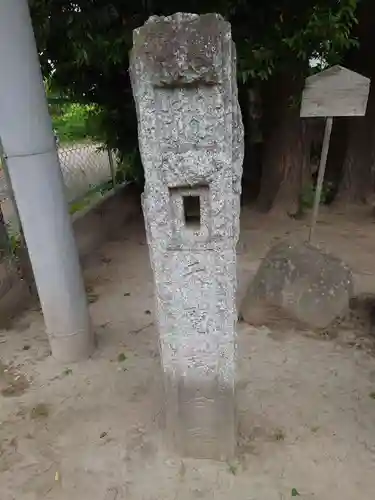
(357, 327)
(13, 383)
(306, 402)
(41, 410)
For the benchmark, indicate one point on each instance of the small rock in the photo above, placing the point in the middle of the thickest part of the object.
(301, 283)
(111, 494)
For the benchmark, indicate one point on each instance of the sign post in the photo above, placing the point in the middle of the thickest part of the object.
(336, 91)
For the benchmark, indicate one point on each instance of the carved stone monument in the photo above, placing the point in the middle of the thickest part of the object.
(183, 70)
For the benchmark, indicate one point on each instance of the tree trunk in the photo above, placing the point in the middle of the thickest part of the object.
(252, 161)
(356, 185)
(337, 154)
(284, 163)
(357, 140)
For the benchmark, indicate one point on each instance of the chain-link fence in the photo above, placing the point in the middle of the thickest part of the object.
(85, 168)
(88, 171)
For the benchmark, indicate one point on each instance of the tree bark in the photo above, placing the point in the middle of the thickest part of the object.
(353, 145)
(285, 151)
(337, 154)
(356, 184)
(252, 160)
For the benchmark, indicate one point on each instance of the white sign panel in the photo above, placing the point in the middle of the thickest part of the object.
(336, 91)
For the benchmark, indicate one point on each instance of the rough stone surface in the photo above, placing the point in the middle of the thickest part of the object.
(183, 73)
(300, 282)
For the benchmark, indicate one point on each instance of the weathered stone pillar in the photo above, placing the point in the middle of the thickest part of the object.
(191, 141)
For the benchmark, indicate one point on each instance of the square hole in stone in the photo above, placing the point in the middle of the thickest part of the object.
(192, 211)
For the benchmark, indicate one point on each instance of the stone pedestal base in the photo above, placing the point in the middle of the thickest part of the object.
(200, 418)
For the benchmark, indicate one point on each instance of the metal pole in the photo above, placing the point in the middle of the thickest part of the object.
(322, 169)
(36, 178)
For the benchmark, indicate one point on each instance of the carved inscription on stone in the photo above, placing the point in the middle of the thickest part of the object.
(183, 73)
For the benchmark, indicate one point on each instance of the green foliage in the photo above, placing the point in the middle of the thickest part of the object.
(14, 239)
(285, 35)
(308, 196)
(73, 122)
(130, 168)
(233, 468)
(79, 205)
(121, 357)
(84, 47)
(94, 194)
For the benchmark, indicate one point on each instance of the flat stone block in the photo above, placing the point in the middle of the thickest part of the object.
(200, 418)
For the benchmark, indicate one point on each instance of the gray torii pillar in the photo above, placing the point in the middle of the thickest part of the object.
(34, 170)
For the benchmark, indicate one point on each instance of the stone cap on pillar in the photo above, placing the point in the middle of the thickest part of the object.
(182, 49)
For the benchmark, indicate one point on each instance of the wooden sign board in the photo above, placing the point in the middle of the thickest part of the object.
(337, 91)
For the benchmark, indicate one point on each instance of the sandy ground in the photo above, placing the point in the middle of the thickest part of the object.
(93, 430)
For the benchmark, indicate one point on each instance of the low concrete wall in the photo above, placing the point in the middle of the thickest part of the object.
(92, 228)
(98, 224)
